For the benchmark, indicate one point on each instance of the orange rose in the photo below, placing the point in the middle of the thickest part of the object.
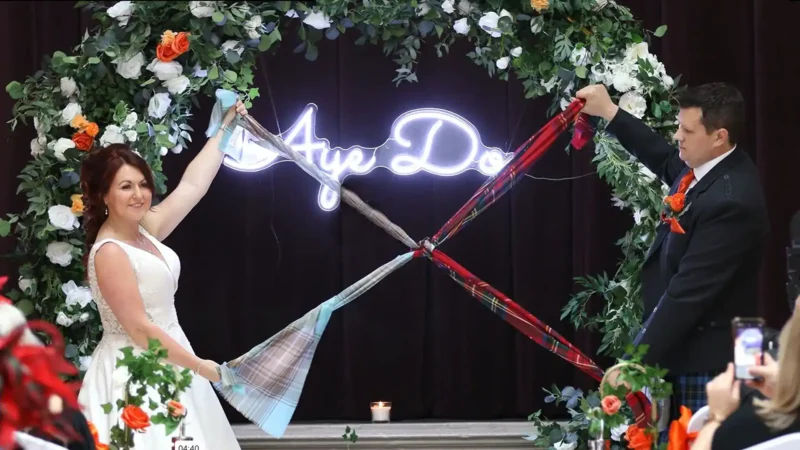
(676, 201)
(91, 129)
(181, 43)
(638, 438)
(539, 5)
(78, 122)
(165, 53)
(167, 37)
(77, 203)
(83, 141)
(611, 404)
(175, 408)
(135, 418)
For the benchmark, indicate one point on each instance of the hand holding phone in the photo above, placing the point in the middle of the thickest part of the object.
(748, 346)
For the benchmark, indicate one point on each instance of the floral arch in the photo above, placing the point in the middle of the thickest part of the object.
(136, 77)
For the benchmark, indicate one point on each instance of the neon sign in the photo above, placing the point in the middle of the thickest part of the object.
(431, 140)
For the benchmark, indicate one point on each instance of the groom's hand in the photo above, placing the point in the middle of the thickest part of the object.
(598, 102)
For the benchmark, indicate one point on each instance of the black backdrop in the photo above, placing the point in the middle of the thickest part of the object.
(257, 253)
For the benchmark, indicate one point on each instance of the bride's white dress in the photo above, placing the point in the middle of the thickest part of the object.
(157, 281)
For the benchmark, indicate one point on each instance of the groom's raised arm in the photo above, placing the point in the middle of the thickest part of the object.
(647, 146)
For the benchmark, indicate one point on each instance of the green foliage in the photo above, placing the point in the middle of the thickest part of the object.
(554, 53)
(587, 416)
(350, 436)
(146, 375)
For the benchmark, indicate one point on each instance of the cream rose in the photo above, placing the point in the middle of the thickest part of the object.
(76, 295)
(62, 217)
(60, 253)
(131, 68)
(159, 104)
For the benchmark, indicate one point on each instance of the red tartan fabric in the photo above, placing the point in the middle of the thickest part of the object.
(524, 157)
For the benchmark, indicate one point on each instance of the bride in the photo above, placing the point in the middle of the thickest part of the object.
(133, 277)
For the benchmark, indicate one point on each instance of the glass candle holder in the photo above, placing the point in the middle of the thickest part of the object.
(381, 411)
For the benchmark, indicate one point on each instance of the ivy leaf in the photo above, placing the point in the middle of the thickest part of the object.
(580, 71)
(15, 90)
(661, 31)
(26, 307)
(5, 228)
(213, 73)
(107, 407)
(231, 76)
(312, 52)
(217, 17)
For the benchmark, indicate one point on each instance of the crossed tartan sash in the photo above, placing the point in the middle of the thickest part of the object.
(265, 384)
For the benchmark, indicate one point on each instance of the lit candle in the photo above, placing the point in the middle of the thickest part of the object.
(380, 411)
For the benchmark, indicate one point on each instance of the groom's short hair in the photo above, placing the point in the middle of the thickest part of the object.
(722, 106)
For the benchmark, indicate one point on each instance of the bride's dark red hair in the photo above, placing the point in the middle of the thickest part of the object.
(98, 170)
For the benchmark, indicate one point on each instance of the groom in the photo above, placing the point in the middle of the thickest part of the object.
(702, 268)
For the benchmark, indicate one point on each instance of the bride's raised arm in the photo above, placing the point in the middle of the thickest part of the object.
(161, 220)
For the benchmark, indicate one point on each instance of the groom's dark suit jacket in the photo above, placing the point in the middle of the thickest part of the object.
(693, 284)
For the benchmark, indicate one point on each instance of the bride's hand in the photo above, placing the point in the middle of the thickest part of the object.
(208, 370)
(238, 108)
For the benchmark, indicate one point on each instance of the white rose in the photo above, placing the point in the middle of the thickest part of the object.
(63, 320)
(252, 26)
(618, 431)
(76, 295)
(465, 7)
(579, 56)
(165, 70)
(516, 51)
(61, 146)
(448, 7)
(177, 149)
(122, 12)
(231, 46)
(163, 151)
(318, 20)
(38, 126)
(202, 9)
(62, 217)
(60, 253)
(422, 8)
(68, 87)
(159, 104)
(120, 377)
(85, 362)
(130, 69)
(564, 446)
(25, 284)
(112, 135)
(668, 81)
(636, 51)
(177, 86)
(488, 23)
(69, 112)
(131, 135)
(502, 63)
(130, 120)
(461, 26)
(38, 146)
(633, 103)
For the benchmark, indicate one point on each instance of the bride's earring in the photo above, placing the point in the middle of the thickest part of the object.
(106, 210)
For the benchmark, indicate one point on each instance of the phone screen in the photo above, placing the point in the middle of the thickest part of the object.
(747, 348)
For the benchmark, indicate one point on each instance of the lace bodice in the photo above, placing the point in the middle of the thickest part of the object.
(157, 283)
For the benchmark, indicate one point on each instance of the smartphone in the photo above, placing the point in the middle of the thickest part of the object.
(748, 345)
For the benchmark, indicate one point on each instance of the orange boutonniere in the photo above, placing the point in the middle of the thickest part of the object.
(93, 430)
(679, 436)
(676, 207)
